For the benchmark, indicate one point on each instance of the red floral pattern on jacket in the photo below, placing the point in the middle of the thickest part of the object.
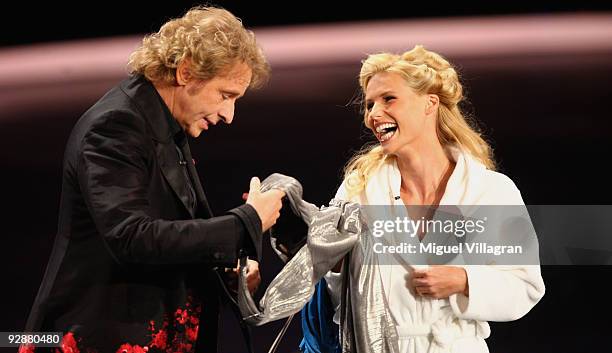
(175, 335)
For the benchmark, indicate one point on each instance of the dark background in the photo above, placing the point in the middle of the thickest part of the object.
(550, 127)
(29, 22)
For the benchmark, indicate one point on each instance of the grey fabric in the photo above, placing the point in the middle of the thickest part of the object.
(299, 207)
(367, 325)
(333, 231)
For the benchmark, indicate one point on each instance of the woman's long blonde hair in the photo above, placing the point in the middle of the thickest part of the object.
(426, 72)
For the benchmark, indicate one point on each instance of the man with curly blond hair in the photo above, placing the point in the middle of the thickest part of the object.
(134, 264)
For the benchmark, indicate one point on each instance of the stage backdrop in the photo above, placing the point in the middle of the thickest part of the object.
(539, 85)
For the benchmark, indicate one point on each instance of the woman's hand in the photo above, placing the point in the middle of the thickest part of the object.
(440, 281)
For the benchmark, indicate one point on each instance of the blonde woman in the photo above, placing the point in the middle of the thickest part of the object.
(427, 154)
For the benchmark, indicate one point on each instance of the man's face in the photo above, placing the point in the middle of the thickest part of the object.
(200, 104)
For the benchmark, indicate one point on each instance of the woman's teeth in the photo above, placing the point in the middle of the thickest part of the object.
(385, 127)
(386, 136)
(386, 131)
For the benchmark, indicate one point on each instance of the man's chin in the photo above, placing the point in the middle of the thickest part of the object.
(193, 132)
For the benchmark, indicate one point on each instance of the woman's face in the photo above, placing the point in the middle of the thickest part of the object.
(397, 115)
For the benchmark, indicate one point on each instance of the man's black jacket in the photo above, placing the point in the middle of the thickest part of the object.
(133, 259)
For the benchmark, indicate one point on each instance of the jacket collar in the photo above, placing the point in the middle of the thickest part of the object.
(168, 135)
(142, 93)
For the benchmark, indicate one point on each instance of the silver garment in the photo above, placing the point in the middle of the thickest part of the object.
(333, 231)
(367, 325)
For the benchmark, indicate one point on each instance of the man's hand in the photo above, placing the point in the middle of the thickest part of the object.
(267, 204)
(440, 281)
(253, 277)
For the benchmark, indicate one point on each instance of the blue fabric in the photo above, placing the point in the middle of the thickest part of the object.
(319, 330)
